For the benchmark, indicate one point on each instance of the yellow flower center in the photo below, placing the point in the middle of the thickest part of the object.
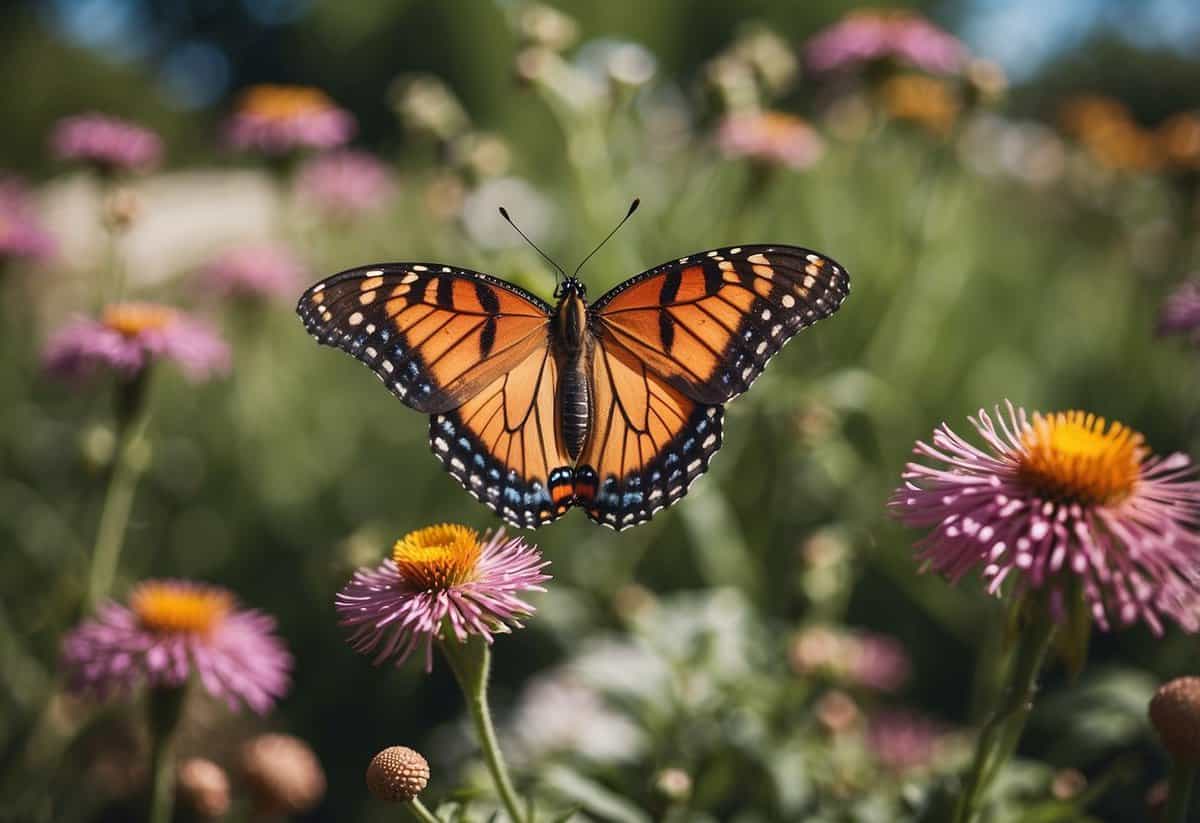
(283, 102)
(1074, 455)
(921, 99)
(438, 557)
(132, 319)
(177, 608)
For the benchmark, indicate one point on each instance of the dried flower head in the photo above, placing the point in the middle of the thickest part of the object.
(441, 581)
(203, 788)
(21, 232)
(257, 270)
(397, 774)
(770, 137)
(170, 630)
(870, 35)
(283, 119)
(130, 336)
(1175, 715)
(345, 183)
(106, 143)
(283, 774)
(1060, 502)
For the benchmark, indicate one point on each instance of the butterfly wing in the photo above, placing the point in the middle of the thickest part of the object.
(708, 323)
(435, 335)
(471, 351)
(648, 440)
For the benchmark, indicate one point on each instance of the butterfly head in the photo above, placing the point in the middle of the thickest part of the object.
(570, 285)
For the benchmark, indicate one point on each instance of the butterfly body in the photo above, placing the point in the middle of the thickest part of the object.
(614, 406)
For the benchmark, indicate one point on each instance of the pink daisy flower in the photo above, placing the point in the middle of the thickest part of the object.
(1060, 501)
(1180, 312)
(107, 143)
(173, 629)
(21, 232)
(772, 137)
(440, 581)
(870, 35)
(345, 183)
(129, 336)
(259, 270)
(283, 119)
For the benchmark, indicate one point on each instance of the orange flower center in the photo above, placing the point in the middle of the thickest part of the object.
(132, 319)
(1076, 456)
(283, 102)
(921, 99)
(438, 557)
(178, 608)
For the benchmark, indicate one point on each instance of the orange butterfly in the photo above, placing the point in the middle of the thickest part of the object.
(615, 407)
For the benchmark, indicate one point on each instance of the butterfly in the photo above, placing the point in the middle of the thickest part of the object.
(614, 406)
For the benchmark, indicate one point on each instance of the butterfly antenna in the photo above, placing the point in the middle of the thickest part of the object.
(504, 214)
(632, 208)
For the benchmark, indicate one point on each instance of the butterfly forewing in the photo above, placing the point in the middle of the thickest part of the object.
(435, 335)
(709, 323)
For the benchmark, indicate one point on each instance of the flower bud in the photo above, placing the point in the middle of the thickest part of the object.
(283, 774)
(397, 774)
(1175, 715)
(203, 787)
(673, 784)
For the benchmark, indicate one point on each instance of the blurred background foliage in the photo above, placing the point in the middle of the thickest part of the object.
(996, 258)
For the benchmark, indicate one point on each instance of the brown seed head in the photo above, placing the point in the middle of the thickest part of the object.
(203, 788)
(283, 774)
(397, 774)
(1175, 715)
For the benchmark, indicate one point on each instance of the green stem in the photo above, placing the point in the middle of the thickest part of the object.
(1179, 791)
(1002, 732)
(165, 710)
(118, 500)
(418, 810)
(470, 662)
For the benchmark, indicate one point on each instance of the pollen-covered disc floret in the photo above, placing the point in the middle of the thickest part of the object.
(440, 580)
(170, 630)
(1060, 502)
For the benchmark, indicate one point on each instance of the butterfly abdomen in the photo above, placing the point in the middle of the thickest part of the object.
(575, 404)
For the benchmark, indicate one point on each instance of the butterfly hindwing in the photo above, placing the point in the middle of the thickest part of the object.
(708, 323)
(435, 335)
(503, 446)
(648, 440)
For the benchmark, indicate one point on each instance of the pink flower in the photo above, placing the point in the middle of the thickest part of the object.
(258, 270)
(21, 232)
(440, 581)
(129, 336)
(772, 137)
(283, 119)
(173, 629)
(1180, 312)
(858, 658)
(869, 35)
(108, 143)
(904, 741)
(1060, 502)
(346, 183)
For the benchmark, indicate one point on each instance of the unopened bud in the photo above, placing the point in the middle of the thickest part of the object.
(397, 774)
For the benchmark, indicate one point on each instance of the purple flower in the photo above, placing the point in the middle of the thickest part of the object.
(257, 270)
(107, 143)
(440, 580)
(129, 336)
(346, 183)
(904, 741)
(1062, 502)
(283, 119)
(1180, 312)
(170, 630)
(21, 232)
(770, 137)
(867, 36)
(858, 658)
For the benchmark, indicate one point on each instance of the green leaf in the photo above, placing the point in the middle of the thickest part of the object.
(592, 797)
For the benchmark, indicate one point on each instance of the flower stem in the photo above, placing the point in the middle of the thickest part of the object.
(1179, 791)
(165, 709)
(131, 418)
(420, 812)
(1001, 733)
(470, 662)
